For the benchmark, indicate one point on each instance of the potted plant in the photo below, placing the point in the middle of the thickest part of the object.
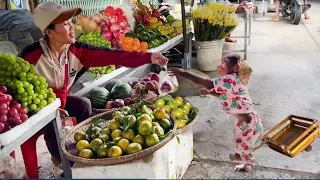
(212, 23)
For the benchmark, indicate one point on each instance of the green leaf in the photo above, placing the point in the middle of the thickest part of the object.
(178, 139)
(110, 144)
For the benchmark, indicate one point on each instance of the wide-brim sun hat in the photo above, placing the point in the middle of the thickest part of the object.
(52, 13)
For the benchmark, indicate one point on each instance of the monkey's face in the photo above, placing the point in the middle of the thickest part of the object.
(223, 68)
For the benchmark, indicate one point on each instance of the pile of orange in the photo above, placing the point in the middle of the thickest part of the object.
(130, 44)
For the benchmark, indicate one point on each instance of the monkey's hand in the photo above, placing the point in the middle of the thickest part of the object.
(204, 91)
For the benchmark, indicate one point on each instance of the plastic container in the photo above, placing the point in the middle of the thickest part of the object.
(209, 54)
(262, 7)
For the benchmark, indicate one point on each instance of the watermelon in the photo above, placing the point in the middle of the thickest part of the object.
(121, 91)
(110, 84)
(99, 97)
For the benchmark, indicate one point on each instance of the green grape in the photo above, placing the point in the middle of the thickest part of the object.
(29, 101)
(52, 95)
(36, 83)
(24, 99)
(37, 89)
(20, 90)
(40, 96)
(24, 104)
(42, 92)
(42, 87)
(30, 87)
(50, 100)
(43, 103)
(29, 98)
(18, 84)
(30, 92)
(34, 96)
(33, 107)
(36, 101)
(25, 94)
(25, 68)
(25, 84)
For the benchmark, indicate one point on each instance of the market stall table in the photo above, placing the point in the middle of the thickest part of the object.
(169, 162)
(11, 140)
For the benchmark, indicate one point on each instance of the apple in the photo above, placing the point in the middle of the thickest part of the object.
(156, 84)
(155, 77)
(128, 101)
(119, 103)
(109, 105)
(150, 86)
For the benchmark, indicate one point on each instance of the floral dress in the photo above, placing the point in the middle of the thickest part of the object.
(235, 99)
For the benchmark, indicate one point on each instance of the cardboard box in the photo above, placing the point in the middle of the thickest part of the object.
(3, 4)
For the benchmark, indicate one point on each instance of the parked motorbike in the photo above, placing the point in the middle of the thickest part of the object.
(293, 9)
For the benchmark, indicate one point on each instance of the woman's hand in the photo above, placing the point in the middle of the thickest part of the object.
(63, 114)
(157, 58)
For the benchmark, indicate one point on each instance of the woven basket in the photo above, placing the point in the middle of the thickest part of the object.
(99, 111)
(188, 126)
(244, 72)
(68, 144)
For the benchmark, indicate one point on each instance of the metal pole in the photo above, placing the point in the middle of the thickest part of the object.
(245, 34)
(185, 37)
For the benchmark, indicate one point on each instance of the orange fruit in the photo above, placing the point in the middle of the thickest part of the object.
(143, 45)
(128, 40)
(127, 47)
(136, 42)
(135, 47)
(121, 40)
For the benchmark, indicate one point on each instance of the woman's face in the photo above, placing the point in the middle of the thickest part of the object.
(63, 33)
(223, 68)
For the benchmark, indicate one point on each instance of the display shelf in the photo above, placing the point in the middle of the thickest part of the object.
(43, 116)
(169, 45)
(86, 84)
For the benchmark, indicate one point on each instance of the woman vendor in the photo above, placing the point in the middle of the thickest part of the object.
(58, 57)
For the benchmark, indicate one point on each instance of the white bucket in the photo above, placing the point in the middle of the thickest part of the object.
(209, 54)
(260, 7)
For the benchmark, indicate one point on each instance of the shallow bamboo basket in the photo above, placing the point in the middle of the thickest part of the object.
(99, 111)
(244, 72)
(68, 144)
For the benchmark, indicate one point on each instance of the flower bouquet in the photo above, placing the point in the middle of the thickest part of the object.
(214, 21)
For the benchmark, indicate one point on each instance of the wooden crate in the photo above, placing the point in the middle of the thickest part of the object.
(297, 135)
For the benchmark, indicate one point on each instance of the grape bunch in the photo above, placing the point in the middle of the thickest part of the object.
(102, 70)
(11, 112)
(24, 84)
(94, 38)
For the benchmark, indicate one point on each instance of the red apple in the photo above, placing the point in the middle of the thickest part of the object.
(109, 105)
(150, 86)
(155, 77)
(119, 103)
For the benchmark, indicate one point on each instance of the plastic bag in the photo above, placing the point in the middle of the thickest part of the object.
(9, 169)
(167, 84)
(128, 10)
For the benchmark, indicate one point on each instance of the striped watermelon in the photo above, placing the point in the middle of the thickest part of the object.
(99, 97)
